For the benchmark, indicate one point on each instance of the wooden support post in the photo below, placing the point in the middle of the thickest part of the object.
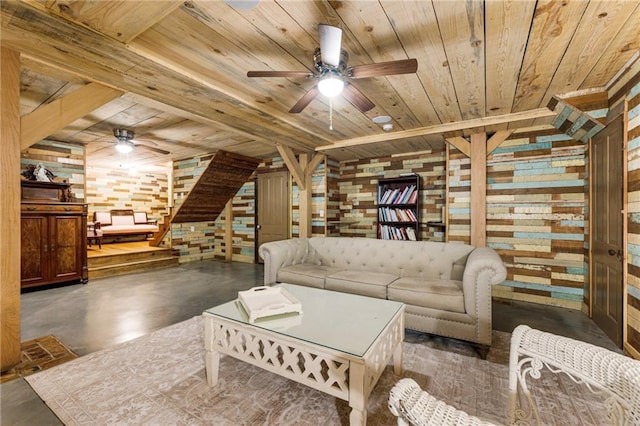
(10, 211)
(302, 172)
(478, 189)
(228, 231)
(305, 199)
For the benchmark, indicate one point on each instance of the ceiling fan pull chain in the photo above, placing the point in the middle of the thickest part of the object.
(330, 113)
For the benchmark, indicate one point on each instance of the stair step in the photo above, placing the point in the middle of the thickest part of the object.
(132, 267)
(129, 257)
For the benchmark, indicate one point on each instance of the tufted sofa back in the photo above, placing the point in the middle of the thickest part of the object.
(425, 259)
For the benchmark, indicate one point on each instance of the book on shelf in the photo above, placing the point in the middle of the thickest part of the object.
(413, 198)
(389, 232)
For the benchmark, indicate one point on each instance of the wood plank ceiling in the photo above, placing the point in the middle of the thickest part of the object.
(181, 66)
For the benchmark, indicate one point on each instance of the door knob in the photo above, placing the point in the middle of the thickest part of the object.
(617, 253)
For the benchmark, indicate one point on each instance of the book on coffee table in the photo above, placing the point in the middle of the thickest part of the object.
(262, 302)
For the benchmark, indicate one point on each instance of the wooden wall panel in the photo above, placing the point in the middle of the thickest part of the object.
(536, 206)
(459, 197)
(358, 186)
(63, 159)
(633, 235)
(127, 189)
(243, 226)
(332, 206)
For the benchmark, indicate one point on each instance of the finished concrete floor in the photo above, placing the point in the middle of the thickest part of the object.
(109, 311)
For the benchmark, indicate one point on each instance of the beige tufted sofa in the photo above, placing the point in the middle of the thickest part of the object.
(446, 286)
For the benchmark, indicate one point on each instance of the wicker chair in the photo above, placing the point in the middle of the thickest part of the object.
(614, 376)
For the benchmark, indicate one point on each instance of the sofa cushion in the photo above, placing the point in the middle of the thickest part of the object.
(129, 229)
(122, 220)
(365, 283)
(305, 274)
(445, 295)
(140, 217)
(103, 217)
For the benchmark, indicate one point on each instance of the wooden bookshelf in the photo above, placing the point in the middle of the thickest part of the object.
(398, 208)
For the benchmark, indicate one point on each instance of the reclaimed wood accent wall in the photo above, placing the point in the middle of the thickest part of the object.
(358, 186)
(536, 217)
(332, 212)
(633, 196)
(243, 226)
(318, 203)
(63, 159)
(459, 196)
(109, 189)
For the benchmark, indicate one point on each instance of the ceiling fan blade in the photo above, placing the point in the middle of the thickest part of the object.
(330, 44)
(279, 74)
(152, 148)
(103, 148)
(305, 100)
(405, 66)
(357, 98)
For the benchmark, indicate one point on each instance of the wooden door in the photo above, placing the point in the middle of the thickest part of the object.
(34, 259)
(607, 229)
(273, 207)
(66, 237)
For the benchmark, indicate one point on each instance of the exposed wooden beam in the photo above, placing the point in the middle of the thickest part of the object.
(122, 21)
(232, 92)
(441, 128)
(497, 139)
(293, 165)
(461, 143)
(98, 58)
(479, 189)
(10, 211)
(314, 163)
(302, 171)
(464, 145)
(57, 114)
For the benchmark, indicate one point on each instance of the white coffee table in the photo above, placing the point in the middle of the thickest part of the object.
(340, 345)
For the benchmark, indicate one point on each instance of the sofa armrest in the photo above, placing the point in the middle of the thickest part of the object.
(278, 254)
(483, 270)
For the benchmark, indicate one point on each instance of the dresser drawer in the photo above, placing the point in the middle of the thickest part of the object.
(53, 208)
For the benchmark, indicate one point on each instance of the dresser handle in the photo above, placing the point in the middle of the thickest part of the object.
(67, 209)
(31, 209)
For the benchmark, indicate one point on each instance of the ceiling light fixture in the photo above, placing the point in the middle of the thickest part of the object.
(124, 147)
(331, 85)
(124, 136)
(381, 119)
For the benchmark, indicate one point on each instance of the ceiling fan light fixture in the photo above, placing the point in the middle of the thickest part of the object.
(124, 147)
(331, 86)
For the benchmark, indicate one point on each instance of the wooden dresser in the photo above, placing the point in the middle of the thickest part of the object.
(53, 235)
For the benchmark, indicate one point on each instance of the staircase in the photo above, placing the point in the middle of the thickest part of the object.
(219, 182)
(139, 259)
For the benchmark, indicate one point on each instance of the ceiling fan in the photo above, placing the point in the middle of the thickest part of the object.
(125, 144)
(333, 74)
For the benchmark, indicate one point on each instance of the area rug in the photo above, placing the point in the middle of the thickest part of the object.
(37, 355)
(160, 379)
